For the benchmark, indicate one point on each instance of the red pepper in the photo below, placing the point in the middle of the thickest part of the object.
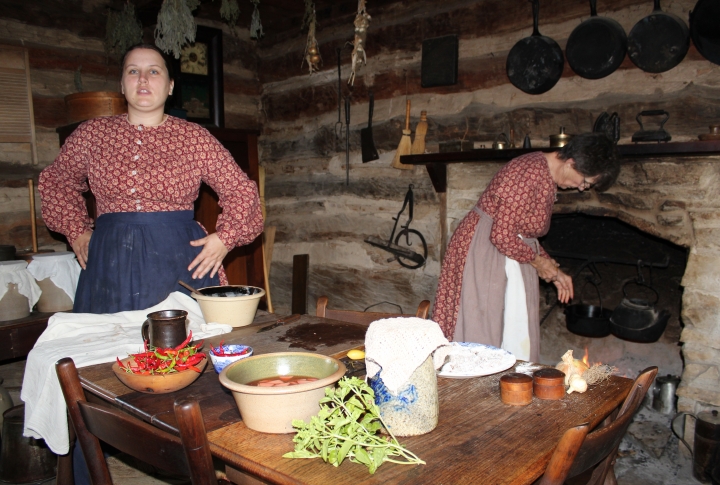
(187, 341)
(195, 359)
(122, 366)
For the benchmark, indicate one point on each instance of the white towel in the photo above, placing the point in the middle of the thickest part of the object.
(88, 339)
(398, 346)
(516, 336)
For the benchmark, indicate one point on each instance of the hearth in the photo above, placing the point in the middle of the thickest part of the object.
(628, 254)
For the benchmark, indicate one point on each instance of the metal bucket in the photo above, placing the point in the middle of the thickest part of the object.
(23, 460)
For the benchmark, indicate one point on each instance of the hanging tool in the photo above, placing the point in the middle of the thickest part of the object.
(347, 140)
(367, 144)
(418, 144)
(339, 125)
(406, 256)
(405, 146)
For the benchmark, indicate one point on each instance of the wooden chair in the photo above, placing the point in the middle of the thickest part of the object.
(189, 454)
(579, 451)
(364, 318)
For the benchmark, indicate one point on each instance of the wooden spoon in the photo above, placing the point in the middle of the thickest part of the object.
(188, 287)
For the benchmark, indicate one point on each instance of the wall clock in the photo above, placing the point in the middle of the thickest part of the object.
(194, 59)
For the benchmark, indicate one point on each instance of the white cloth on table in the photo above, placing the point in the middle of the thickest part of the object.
(516, 334)
(398, 346)
(88, 339)
(16, 272)
(61, 267)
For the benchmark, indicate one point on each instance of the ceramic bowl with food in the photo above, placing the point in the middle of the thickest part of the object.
(233, 305)
(227, 354)
(157, 383)
(271, 409)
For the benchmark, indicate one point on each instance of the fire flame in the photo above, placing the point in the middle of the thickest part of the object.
(586, 357)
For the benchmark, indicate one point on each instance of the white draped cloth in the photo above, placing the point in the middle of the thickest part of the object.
(88, 339)
(61, 267)
(16, 272)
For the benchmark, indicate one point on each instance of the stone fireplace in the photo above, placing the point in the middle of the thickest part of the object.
(676, 199)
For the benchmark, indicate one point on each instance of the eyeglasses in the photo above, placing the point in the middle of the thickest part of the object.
(585, 184)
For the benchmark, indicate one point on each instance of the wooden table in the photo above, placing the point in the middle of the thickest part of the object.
(478, 438)
(17, 337)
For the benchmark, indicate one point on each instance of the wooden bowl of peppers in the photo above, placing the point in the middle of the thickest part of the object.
(159, 371)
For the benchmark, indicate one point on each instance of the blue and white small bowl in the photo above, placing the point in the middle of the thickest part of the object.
(220, 362)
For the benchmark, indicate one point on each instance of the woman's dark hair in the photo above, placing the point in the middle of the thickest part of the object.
(595, 155)
(165, 58)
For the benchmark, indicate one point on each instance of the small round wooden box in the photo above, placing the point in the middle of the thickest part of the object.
(516, 389)
(549, 384)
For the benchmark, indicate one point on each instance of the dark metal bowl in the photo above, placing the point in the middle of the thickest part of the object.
(588, 320)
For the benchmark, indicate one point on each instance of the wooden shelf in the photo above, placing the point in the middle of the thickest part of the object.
(436, 163)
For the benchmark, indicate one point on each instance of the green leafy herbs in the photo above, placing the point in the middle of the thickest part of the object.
(347, 427)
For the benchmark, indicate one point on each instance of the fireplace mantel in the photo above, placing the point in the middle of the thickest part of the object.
(436, 163)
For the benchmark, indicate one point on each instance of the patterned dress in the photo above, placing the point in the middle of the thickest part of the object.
(144, 179)
(518, 201)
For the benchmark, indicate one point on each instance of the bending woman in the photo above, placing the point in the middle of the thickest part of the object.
(488, 287)
(145, 169)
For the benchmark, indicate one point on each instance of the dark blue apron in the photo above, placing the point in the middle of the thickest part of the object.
(136, 259)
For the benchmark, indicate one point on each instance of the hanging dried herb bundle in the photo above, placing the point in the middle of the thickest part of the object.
(230, 12)
(312, 51)
(362, 23)
(256, 30)
(176, 25)
(123, 30)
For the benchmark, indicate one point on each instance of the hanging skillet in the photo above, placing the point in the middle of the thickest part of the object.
(597, 46)
(535, 64)
(704, 29)
(658, 42)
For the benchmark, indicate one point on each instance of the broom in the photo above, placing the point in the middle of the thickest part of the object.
(405, 146)
(418, 145)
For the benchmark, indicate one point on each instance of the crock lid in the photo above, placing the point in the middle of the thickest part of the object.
(56, 256)
(12, 265)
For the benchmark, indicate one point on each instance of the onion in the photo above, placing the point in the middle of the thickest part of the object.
(577, 384)
(571, 366)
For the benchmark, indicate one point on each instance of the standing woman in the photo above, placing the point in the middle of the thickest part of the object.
(488, 287)
(145, 169)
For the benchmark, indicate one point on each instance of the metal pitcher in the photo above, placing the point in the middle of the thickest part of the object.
(664, 394)
(166, 328)
(706, 449)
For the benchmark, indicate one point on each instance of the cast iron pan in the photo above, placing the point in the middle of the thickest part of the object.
(658, 42)
(597, 46)
(704, 29)
(535, 63)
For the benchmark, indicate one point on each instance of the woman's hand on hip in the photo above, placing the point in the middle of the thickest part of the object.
(210, 258)
(81, 247)
(564, 285)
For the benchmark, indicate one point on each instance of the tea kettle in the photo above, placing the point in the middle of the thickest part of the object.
(637, 319)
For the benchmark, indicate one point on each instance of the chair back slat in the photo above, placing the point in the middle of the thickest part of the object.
(132, 436)
(576, 452)
(365, 318)
(188, 454)
(600, 443)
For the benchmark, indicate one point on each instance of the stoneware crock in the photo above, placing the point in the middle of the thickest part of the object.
(272, 409)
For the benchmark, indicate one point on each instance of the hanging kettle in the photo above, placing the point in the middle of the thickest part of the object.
(637, 319)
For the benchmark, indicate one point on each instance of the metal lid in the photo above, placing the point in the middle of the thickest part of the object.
(708, 425)
(666, 379)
